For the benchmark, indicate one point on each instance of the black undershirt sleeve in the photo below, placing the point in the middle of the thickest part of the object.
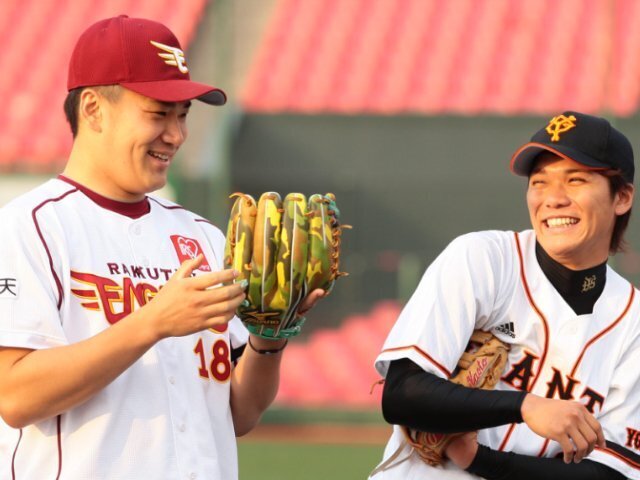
(494, 465)
(424, 401)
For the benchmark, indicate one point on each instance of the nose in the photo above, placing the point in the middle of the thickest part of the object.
(175, 132)
(557, 196)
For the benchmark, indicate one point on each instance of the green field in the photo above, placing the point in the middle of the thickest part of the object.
(303, 461)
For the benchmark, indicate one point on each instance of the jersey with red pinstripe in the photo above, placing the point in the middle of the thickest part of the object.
(72, 264)
(492, 281)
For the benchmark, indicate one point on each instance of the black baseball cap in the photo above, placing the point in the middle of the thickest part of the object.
(588, 140)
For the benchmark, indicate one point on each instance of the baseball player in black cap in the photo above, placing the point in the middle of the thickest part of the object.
(566, 403)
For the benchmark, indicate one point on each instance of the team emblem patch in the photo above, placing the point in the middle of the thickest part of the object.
(8, 287)
(173, 56)
(189, 248)
(560, 124)
(589, 283)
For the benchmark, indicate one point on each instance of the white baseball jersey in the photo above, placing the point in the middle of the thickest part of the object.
(72, 263)
(492, 281)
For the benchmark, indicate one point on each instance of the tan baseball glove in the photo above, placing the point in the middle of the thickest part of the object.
(479, 367)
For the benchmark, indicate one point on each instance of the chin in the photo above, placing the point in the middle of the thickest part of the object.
(156, 184)
(558, 246)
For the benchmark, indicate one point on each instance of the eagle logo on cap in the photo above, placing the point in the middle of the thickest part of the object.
(173, 56)
(560, 124)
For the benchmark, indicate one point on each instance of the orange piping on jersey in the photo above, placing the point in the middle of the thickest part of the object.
(603, 332)
(613, 453)
(544, 447)
(424, 354)
(543, 357)
(591, 342)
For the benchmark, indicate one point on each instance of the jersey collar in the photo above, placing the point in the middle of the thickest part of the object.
(579, 288)
(132, 210)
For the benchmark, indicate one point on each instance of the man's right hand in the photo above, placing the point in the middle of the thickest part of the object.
(566, 422)
(187, 304)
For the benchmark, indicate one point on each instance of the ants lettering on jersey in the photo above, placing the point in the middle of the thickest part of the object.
(521, 373)
(560, 385)
(557, 387)
(593, 399)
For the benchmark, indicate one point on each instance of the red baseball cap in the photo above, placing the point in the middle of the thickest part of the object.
(141, 55)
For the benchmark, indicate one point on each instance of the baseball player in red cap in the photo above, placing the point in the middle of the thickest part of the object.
(566, 403)
(120, 356)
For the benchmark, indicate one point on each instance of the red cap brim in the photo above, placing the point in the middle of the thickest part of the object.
(178, 91)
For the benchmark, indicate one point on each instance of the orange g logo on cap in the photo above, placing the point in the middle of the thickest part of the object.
(560, 124)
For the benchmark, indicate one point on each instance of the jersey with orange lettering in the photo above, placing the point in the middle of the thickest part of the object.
(73, 263)
(492, 281)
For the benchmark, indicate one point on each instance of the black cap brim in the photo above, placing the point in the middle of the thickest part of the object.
(523, 160)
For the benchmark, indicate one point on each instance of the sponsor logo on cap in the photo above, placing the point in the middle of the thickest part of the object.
(173, 56)
(189, 248)
(560, 124)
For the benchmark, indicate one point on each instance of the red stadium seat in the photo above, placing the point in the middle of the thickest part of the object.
(335, 367)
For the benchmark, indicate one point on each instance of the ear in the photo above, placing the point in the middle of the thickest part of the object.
(90, 109)
(624, 199)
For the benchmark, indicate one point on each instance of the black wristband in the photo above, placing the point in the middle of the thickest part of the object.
(272, 351)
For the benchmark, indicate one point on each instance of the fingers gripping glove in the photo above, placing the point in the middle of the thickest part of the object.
(480, 366)
(285, 249)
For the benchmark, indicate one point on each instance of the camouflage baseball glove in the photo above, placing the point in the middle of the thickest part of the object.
(285, 249)
(479, 367)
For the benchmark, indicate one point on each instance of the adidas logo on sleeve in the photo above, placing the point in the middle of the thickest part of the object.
(507, 329)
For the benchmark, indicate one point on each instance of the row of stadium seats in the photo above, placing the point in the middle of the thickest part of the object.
(334, 368)
(357, 57)
(448, 56)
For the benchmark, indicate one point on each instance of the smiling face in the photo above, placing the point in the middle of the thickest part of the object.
(572, 211)
(129, 141)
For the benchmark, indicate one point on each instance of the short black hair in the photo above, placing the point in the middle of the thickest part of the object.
(617, 183)
(71, 109)
(72, 102)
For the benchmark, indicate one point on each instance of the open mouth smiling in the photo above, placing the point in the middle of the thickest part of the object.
(160, 156)
(560, 222)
